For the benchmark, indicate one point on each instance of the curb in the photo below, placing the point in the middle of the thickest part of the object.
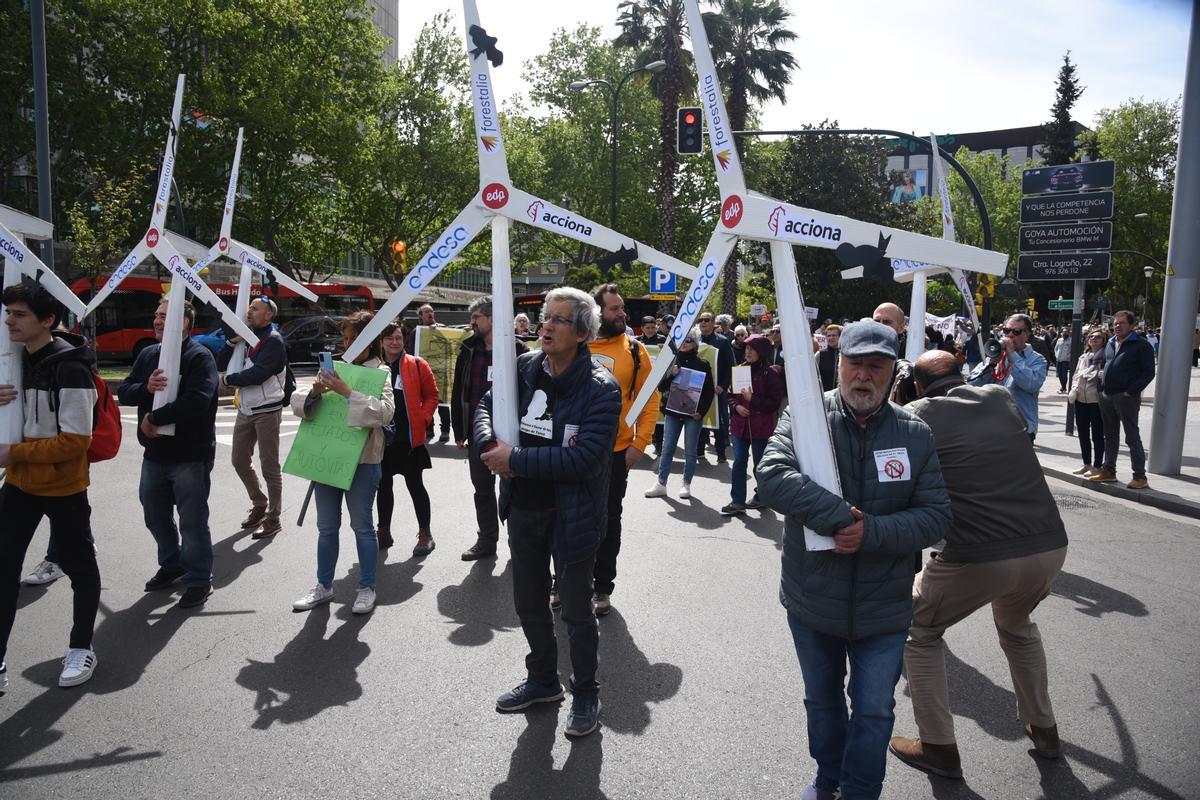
(1148, 497)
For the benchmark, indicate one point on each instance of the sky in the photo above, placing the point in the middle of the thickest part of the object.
(922, 65)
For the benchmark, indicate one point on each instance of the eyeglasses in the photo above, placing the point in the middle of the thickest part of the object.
(556, 320)
(1012, 331)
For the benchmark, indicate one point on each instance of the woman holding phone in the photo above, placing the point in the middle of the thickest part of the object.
(364, 411)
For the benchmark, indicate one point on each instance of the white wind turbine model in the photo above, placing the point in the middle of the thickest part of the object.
(251, 259)
(498, 203)
(917, 272)
(748, 215)
(21, 264)
(183, 278)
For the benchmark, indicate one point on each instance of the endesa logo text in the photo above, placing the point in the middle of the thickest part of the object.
(694, 300)
(126, 267)
(495, 195)
(808, 229)
(439, 256)
(9, 250)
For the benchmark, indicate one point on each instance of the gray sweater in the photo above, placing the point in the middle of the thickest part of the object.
(1002, 505)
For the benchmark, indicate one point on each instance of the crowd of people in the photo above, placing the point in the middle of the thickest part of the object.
(933, 454)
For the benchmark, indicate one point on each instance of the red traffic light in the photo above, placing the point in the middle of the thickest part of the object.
(689, 117)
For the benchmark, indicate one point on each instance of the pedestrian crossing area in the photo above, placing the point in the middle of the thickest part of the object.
(226, 417)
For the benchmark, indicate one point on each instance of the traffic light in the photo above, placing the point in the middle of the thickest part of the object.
(690, 132)
(399, 258)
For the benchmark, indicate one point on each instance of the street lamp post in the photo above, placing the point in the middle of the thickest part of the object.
(654, 67)
(1148, 270)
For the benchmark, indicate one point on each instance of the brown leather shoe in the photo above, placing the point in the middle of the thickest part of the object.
(270, 528)
(1138, 483)
(254, 518)
(1104, 476)
(1045, 740)
(937, 759)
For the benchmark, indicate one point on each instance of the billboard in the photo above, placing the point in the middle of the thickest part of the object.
(909, 185)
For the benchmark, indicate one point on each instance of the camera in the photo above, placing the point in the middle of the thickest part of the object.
(992, 348)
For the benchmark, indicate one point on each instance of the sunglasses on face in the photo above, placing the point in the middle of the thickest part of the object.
(1012, 331)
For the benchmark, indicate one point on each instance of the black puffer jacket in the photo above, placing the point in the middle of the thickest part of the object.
(589, 397)
(869, 592)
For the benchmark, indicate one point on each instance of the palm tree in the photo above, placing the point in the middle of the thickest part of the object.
(657, 28)
(746, 37)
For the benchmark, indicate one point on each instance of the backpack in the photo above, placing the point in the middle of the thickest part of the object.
(106, 424)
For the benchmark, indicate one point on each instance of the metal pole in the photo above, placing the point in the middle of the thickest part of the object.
(1076, 347)
(1182, 286)
(612, 214)
(37, 20)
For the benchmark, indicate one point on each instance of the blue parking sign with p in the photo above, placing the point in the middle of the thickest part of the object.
(662, 281)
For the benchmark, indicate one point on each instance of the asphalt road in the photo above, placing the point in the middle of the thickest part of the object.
(701, 689)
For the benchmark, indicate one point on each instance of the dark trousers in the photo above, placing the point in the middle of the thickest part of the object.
(610, 546)
(70, 518)
(1090, 428)
(1121, 411)
(385, 497)
(444, 418)
(531, 542)
(487, 517)
(1062, 367)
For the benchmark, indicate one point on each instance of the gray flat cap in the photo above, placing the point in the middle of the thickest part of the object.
(869, 338)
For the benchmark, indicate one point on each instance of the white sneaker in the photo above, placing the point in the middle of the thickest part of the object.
(43, 573)
(657, 490)
(315, 597)
(685, 492)
(78, 666)
(365, 602)
(3, 679)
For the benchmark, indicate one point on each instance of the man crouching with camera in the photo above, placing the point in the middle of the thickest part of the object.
(1005, 548)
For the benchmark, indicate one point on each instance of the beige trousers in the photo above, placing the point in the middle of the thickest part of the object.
(946, 594)
(263, 430)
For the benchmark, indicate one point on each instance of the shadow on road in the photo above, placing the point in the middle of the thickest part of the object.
(765, 524)
(481, 606)
(629, 683)
(311, 674)
(229, 562)
(531, 771)
(1096, 599)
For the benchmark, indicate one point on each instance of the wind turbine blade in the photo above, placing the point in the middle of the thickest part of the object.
(493, 163)
(715, 255)
(458, 235)
(14, 251)
(530, 210)
(169, 257)
(231, 193)
(257, 261)
(136, 256)
(162, 197)
(730, 178)
(213, 254)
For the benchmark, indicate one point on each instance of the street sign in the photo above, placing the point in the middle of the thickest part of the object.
(1060, 305)
(810, 312)
(1074, 206)
(758, 310)
(662, 281)
(662, 297)
(1066, 236)
(1069, 177)
(1064, 267)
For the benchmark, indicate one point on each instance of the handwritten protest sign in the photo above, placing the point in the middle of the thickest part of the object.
(326, 449)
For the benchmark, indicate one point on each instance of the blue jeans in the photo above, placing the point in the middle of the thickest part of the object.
(672, 427)
(850, 748)
(741, 455)
(166, 488)
(360, 498)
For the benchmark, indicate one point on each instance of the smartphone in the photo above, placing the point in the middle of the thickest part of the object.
(325, 361)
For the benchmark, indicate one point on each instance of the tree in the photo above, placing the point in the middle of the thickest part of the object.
(747, 37)
(1060, 130)
(656, 28)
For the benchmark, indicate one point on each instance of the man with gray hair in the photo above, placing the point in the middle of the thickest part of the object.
(554, 496)
(260, 388)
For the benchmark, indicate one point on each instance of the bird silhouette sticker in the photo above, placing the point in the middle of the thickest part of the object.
(870, 258)
(485, 44)
(623, 256)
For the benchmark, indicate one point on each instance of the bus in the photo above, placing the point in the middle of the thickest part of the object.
(124, 323)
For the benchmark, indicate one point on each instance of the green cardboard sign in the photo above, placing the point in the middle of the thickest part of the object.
(326, 449)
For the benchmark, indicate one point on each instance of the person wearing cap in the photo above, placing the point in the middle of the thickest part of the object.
(849, 606)
(259, 399)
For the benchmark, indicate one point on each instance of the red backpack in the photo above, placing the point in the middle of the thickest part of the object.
(106, 424)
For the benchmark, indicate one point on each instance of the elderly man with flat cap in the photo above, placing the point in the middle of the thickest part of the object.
(851, 605)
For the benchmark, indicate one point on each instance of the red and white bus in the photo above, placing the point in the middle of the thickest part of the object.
(124, 322)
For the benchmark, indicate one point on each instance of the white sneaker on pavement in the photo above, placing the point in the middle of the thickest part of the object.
(3, 679)
(43, 573)
(364, 603)
(78, 665)
(657, 490)
(685, 492)
(315, 597)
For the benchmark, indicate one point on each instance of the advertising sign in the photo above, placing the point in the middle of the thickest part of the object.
(1064, 267)
(1074, 206)
(1069, 177)
(1066, 236)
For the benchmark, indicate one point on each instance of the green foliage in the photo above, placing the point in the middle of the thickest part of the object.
(97, 231)
(1060, 130)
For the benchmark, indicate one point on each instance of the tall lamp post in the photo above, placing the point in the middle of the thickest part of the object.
(1149, 270)
(654, 67)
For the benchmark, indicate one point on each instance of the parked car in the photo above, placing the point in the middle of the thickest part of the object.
(306, 337)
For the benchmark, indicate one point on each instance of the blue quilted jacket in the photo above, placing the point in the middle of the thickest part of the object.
(589, 397)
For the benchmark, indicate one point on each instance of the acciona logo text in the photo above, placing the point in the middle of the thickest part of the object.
(11, 251)
(559, 219)
(804, 228)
